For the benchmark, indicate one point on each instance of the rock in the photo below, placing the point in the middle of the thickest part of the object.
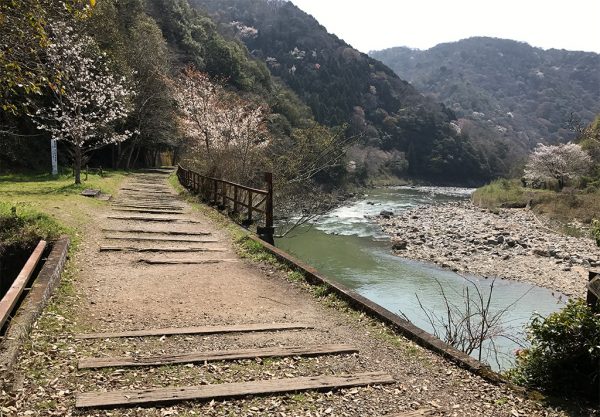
(399, 245)
(386, 214)
(370, 203)
(541, 252)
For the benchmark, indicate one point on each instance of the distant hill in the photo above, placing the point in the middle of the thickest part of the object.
(525, 94)
(404, 133)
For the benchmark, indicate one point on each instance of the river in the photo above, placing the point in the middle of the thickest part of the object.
(350, 248)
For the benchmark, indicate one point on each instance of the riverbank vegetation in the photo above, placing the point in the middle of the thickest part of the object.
(564, 353)
(561, 182)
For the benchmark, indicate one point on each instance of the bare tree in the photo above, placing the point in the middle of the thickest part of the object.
(471, 324)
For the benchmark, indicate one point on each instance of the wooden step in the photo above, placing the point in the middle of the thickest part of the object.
(224, 355)
(152, 219)
(423, 412)
(157, 249)
(149, 211)
(160, 239)
(236, 328)
(230, 390)
(147, 206)
(186, 261)
(158, 232)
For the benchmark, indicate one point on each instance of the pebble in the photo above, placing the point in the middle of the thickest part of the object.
(508, 244)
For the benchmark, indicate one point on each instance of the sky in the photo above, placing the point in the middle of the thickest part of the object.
(378, 24)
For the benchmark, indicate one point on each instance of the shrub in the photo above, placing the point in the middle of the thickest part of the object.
(595, 231)
(564, 354)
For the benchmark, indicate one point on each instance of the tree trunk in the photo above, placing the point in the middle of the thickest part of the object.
(128, 163)
(77, 165)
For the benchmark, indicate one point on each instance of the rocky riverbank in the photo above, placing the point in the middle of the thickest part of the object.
(509, 244)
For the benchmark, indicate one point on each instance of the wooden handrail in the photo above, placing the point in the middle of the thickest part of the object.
(217, 191)
(13, 294)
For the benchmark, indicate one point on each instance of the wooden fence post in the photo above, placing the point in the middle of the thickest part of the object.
(267, 233)
(592, 299)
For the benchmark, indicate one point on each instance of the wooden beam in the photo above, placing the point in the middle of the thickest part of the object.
(152, 219)
(158, 232)
(13, 294)
(415, 413)
(160, 239)
(230, 390)
(157, 249)
(224, 355)
(149, 211)
(148, 206)
(186, 261)
(236, 328)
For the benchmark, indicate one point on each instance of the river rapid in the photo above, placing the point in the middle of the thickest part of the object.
(349, 246)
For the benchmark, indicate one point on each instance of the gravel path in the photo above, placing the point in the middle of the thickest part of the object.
(511, 244)
(105, 291)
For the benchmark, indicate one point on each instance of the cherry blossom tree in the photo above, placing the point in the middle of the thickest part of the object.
(227, 131)
(89, 100)
(559, 162)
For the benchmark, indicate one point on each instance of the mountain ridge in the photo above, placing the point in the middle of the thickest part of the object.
(527, 94)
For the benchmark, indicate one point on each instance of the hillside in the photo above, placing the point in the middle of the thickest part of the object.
(525, 94)
(403, 133)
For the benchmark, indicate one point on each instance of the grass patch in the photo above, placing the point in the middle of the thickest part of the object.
(499, 193)
(562, 206)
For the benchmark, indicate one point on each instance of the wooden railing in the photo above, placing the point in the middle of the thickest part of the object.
(10, 299)
(237, 199)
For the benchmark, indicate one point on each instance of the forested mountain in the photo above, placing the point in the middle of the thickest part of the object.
(403, 132)
(525, 94)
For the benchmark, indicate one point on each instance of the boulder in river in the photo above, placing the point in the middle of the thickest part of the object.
(386, 214)
(399, 245)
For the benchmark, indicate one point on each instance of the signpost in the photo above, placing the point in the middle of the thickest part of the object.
(53, 153)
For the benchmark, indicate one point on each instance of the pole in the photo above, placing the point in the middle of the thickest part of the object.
(54, 156)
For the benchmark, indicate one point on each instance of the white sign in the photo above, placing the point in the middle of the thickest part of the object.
(54, 156)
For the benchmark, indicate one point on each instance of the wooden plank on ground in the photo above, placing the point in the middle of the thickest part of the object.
(142, 191)
(423, 412)
(152, 219)
(186, 261)
(230, 390)
(214, 356)
(13, 294)
(160, 239)
(158, 232)
(235, 328)
(149, 211)
(157, 249)
(148, 206)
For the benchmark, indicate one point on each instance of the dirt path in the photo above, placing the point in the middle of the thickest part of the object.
(118, 291)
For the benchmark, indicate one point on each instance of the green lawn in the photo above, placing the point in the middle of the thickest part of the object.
(50, 206)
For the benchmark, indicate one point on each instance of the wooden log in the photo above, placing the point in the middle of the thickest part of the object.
(214, 356)
(149, 211)
(160, 239)
(158, 232)
(423, 412)
(186, 261)
(156, 249)
(152, 219)
(235, 328)
(147, 206)
(230, 390)
(13, 294)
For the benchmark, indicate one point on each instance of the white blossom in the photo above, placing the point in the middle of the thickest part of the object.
(559, 162)
(88, 98)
